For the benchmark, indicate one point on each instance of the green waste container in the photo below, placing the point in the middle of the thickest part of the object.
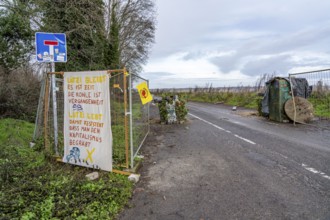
(279, 93)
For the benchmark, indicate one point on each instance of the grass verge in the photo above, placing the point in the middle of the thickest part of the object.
(321, 104)
(251, 100)
(35, 187)
(243, 99)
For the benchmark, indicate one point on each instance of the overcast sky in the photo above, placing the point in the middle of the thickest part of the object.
(229, 42)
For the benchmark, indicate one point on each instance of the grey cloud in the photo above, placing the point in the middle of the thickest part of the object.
(200, 82)
(225, 63)
(157, 75)
(162, 80)
(301, 39)
(193, 55)
(268, 29)
(309, 38)
(279, 65)
(179, 30)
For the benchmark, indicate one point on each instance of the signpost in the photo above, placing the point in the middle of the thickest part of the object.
(51, 48)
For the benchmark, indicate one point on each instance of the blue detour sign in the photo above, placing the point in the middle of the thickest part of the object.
(50, 47)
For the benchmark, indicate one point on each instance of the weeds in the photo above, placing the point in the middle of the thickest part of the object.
(32, 187)
(321, 104)
(243, 98)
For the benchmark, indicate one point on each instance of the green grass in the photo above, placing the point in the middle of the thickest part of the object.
(118, 130)
(118, 136)
(15, 132)
(35, 187)
(243, 99)
(137, 111)
(321, 104)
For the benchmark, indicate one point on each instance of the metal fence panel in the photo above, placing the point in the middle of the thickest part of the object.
(50, 137)
(139, 124)
(129, 118)
(319, 82)
(119, 124)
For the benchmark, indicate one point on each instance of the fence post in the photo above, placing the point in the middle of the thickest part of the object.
(294, 104)
(148, 114)
(36, 132)
(125, 117)
(54, 109)
(131, 120)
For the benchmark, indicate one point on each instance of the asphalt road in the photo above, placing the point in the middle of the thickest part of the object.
(223, 164)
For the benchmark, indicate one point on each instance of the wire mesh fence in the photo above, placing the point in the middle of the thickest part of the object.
(45, 114)
(129, 118)
(119, 121)
(140, 116)
(319, 88)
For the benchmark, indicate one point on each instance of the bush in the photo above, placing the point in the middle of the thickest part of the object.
(19, 94)
(180, 108)
(162, 110)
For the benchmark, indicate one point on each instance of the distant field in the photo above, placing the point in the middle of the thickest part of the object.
(243, 97)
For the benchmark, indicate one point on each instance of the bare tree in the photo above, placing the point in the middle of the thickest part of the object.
(136, 21)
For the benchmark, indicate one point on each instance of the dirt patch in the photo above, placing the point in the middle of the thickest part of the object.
(247, 113)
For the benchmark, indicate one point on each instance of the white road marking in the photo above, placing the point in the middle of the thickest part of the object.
(222, 129)
(236, 122)
(207, 122)
(310, 169)
(244, 139)
(282, 155)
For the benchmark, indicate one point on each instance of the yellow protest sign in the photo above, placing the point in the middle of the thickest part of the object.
(144, 93)
(87, 122)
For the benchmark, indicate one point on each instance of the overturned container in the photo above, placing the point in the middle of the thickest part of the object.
(279, 93)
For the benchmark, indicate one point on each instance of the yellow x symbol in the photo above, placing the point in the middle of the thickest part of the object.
(89, 156)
